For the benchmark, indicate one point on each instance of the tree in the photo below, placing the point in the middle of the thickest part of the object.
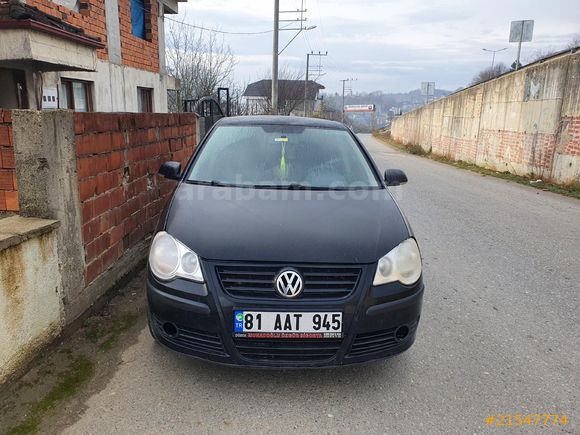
(290, 91)
(574, 42)
(489, 73)
(200, 59)
(541, 53)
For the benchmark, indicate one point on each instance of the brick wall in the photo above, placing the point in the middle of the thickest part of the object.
(118, 157)
(571, 135)
(135, 52)
(8, 191)
(91, 18)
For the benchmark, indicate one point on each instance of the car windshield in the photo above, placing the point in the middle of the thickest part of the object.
(280, 156)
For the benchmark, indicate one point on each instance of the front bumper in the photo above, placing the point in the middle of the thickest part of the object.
(197, 319)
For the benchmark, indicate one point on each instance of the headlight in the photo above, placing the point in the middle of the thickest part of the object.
(402, 264)
(169, 258)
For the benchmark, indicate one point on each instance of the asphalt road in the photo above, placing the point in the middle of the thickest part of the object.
(499, 333)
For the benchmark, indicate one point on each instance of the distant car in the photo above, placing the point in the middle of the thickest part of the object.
(282, 247)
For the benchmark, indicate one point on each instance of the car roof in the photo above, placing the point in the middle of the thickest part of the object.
(281, 120)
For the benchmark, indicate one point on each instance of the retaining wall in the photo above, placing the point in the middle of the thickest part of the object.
(525, 122)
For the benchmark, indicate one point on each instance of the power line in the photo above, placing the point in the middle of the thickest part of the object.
(183, 23)
(218, 31)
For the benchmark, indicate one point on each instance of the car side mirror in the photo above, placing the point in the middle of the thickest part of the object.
(171, 170)
(395, 177)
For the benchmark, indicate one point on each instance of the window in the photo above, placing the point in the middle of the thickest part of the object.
(77, 95)
(145, 99)
(283, 156)
(138, 18)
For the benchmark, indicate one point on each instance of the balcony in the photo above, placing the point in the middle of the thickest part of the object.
(44, 47)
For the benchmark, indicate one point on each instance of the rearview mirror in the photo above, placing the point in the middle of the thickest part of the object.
(395, 177)
(171, 170)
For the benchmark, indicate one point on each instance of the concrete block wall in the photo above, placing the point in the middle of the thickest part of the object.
(120, 193)
(8, 189)
(525, 122)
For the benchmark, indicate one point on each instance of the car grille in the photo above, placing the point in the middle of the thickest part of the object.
(378, 341)
(257, 281)
(287, 350)
(192, 339)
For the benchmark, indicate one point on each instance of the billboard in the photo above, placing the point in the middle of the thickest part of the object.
(360, 108)
(521, 31)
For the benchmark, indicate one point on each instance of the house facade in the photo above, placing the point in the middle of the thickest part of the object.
(85, 55)
(291, 95)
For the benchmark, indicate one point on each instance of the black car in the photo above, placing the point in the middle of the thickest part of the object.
(282, 247)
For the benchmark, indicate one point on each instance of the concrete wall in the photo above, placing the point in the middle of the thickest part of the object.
(525, 122)
(30, 290)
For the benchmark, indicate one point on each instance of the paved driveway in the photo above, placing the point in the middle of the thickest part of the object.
(499, 332)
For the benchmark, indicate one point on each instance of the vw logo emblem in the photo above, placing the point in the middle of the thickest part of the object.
(289, 283)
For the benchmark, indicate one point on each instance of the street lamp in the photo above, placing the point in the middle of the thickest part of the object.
(493, 57)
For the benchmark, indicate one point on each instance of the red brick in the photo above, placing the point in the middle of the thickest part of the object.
(93, 270)
(87, 210)
(7, 160)
(2, 200)
(7, 179)
(87, 188)
(5, 136)
(117, 234)
(91, 231)
(102, 204)
(6, 116)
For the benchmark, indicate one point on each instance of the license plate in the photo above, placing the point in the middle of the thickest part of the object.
(265, 324)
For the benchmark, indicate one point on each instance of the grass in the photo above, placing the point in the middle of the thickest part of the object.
(79, 372)
(571, 190)
(108, 332)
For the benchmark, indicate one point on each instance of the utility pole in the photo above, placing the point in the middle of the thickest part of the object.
(276, 52)
(275, 57)
(344, 81)
(319, 54)
(493, 57)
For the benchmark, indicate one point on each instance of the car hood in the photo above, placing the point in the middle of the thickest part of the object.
(238, 224)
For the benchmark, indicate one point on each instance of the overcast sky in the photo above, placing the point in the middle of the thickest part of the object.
(389, 45)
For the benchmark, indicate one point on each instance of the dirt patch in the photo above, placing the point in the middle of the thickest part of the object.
(51, 395)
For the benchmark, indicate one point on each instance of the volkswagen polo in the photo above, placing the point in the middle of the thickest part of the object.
(283, 247)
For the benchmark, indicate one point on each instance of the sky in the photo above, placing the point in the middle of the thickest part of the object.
(387, 45)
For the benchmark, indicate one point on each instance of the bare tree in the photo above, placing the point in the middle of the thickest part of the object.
(237, 104)
(201, 60)
(574, 42)
(540, 53)
(489, 73)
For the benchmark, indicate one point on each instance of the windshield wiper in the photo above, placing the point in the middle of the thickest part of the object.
(211, 183)
(291, 186)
